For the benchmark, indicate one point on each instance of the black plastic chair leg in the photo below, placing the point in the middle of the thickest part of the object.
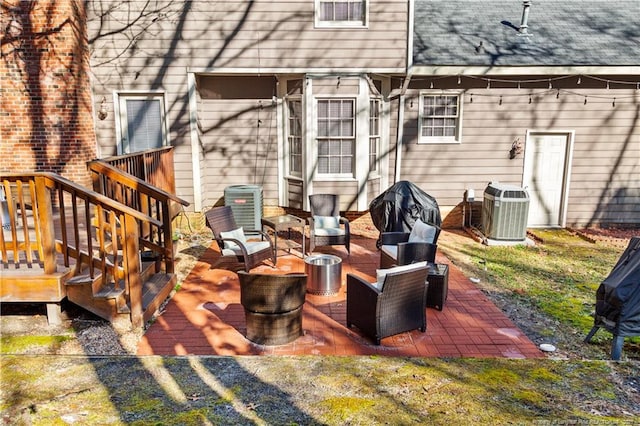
(593, 331)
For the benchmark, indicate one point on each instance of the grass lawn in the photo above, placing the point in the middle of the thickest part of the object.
(314, 390)
(547, 289)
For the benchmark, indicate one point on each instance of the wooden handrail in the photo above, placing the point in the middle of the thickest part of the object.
(112, 173)
(91, 233)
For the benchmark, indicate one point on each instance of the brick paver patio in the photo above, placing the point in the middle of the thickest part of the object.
(205, 317)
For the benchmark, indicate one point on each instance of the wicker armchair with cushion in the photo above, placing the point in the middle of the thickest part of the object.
(273, 306)
(326, 226)
(392, 305)
(232, 239)
(402, 248)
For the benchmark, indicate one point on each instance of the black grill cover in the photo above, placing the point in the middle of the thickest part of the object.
(618, 297)
(398, 208)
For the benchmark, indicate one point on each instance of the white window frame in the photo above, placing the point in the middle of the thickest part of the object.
(457, 138)
(120, 112)
(319, 23)
(288, 136)
(353, 138)
(374, 157)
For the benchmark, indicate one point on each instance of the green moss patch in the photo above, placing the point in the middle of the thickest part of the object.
(18, 344)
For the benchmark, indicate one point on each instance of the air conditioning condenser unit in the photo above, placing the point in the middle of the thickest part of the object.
(505, 209)
(246, 203)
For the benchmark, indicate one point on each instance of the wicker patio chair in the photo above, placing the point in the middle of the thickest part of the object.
(232, 239)
(273, 306)
(417, 246)
(397, 307)
(326, 226)
(406, 253)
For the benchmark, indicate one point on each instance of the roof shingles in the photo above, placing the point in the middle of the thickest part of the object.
(562, 33)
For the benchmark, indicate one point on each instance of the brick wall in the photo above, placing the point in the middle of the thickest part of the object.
(45, 99)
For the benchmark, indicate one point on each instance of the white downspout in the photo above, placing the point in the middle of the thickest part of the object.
(362, 155)
(309, 146)
(399, 136)
(195, 143)
(282, 149)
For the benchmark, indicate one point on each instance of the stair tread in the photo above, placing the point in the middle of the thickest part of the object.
(108, 292)
(81, 279)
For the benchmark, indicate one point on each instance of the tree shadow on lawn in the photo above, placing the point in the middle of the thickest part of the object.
(193, 390)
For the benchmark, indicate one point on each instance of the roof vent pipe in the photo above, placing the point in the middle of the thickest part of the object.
(526, 4)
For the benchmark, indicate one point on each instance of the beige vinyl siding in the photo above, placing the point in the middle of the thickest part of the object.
(184, 172)
(348, 192)
(238, 152)
(263, 33)
(605, 170)
(336, 86)
(150, 46)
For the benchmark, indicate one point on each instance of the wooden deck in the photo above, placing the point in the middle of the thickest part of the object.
(59, 239)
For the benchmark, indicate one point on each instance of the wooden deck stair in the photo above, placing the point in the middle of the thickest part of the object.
(27, 280)
(59, 239)
(108, 300)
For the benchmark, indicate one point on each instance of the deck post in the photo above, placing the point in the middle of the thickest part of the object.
(132, 270)
(54, 313)
(45, 218)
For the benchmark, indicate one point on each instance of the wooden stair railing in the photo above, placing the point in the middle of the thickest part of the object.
(58, 227)
(143, 197)
(154, 166)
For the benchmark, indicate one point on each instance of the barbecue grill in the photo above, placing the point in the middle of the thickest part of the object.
(618, 300)
(398, 208)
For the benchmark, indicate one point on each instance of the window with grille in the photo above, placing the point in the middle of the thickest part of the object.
(440, 118)
(352, 13)
(374, 134)
(336, 131)
(142, 123)
(294, 136)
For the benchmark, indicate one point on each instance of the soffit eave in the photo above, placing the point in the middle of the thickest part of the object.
(304, 71)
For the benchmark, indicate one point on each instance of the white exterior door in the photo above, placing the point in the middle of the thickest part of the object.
(546, 177)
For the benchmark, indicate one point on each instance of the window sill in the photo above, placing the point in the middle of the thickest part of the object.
(340, 26)
(334, 179)
(439, 141)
